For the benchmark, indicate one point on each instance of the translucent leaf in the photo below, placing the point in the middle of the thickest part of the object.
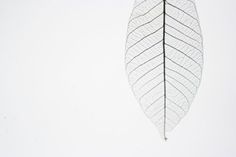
(164, 59)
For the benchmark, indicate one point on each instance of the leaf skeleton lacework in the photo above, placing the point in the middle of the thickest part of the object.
(164, 59)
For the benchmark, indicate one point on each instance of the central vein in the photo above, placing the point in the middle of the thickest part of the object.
(164, 64)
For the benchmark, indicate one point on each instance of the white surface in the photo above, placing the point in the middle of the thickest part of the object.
(64, 91)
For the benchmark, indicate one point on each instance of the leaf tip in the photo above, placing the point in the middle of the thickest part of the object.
(166, 139)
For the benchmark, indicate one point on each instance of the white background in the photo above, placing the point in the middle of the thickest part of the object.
(64, 91)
